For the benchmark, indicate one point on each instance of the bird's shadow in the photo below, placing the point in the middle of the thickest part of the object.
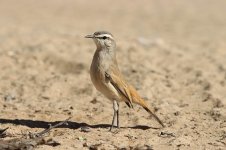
(70, 124)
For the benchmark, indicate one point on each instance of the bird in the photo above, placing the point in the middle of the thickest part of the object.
(108, 80)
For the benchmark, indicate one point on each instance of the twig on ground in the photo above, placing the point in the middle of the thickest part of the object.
(40, 134)
(33, 141)
(3, 132)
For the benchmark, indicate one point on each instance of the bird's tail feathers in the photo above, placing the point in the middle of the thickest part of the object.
(137, 99)
(144, 105)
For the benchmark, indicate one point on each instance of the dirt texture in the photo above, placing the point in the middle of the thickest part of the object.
(172, 51)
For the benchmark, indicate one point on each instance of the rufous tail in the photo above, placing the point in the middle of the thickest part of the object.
(137, 99)
(154, 115)
(142, 103)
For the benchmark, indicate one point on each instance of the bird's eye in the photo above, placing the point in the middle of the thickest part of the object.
(104, 37)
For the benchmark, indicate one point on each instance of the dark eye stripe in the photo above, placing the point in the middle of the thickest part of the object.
(103, 37)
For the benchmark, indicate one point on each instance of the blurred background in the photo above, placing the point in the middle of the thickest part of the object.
(175, 18)
(172, 51)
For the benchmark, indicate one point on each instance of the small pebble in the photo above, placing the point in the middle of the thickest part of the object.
(85, 129)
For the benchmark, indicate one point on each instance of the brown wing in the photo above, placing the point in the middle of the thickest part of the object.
(128, 91)
(120, 84)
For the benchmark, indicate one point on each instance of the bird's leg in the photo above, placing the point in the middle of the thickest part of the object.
(117, 112)
(115, 122)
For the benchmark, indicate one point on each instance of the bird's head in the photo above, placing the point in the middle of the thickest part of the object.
(103, 40)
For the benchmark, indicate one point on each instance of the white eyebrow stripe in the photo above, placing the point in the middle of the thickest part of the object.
(102, 35)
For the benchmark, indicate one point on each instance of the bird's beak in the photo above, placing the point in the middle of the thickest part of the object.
(89, 36)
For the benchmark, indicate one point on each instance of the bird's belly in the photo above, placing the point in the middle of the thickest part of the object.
(103, 86)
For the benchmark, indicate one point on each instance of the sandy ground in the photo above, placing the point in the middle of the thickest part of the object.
(173, 52)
